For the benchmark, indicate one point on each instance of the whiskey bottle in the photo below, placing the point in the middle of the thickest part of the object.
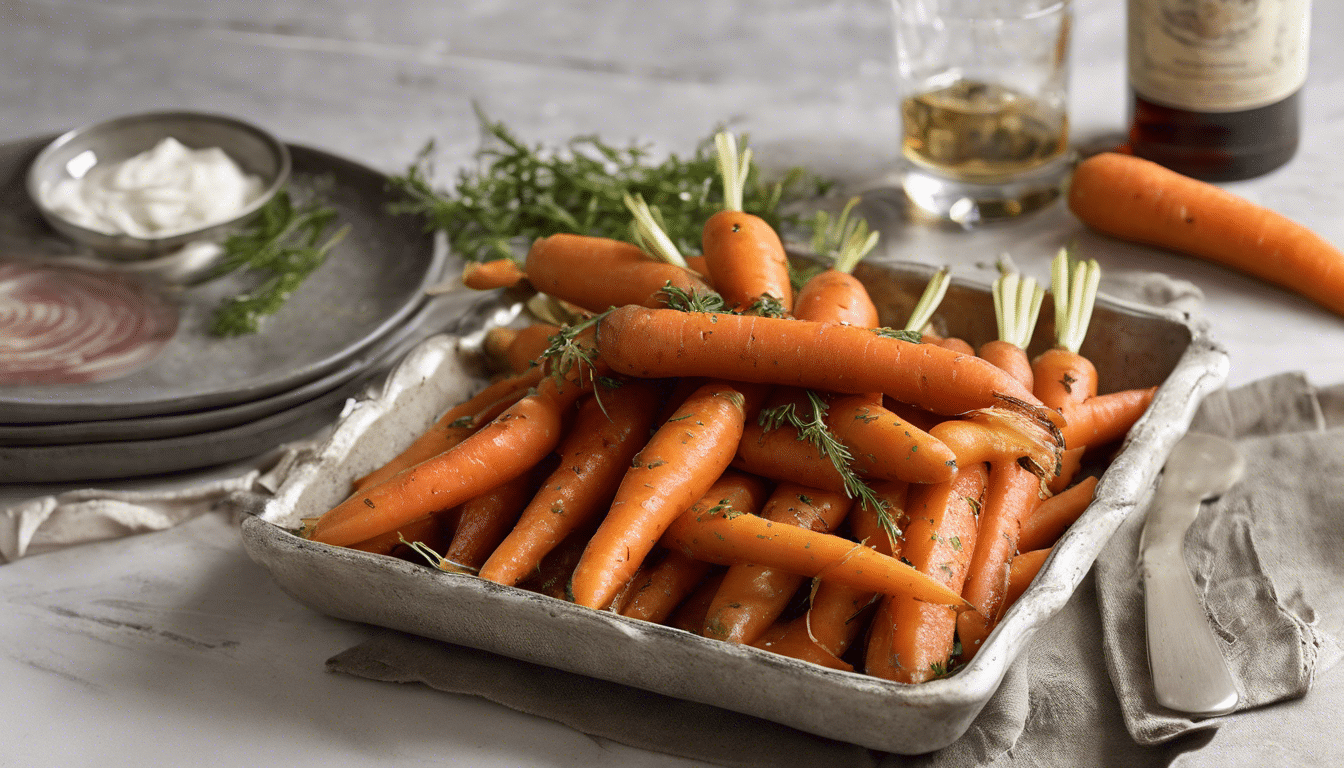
(1215, 84)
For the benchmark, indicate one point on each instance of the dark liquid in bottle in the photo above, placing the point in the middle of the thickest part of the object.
(1215, 146)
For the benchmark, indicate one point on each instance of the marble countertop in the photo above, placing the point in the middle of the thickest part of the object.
(174, 648)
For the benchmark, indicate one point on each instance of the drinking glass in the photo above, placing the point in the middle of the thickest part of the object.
(983, 88)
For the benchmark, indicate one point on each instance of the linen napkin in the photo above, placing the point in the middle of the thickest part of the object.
(1081, 694)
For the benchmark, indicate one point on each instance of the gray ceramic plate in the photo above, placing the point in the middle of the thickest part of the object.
(372, 281)
(1131, 346)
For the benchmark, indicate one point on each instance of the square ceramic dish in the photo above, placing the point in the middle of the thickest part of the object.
(1130, 345)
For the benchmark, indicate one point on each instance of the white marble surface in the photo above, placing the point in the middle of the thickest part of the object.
(174, 648)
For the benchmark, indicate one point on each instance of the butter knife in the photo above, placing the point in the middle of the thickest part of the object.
(1189, 671)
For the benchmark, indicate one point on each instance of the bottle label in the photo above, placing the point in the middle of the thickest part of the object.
(1218, 55)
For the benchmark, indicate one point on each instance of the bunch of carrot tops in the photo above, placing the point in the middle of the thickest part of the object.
(706, 447)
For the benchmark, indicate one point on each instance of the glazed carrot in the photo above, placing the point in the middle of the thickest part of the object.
(551, 577)
(835, 295)
(485, 275)
(655, 592)
(1001, 434)
(690, 615)
(598, 273)
(1017, 304)
(1011, 495)
(502, 450)
(834, 615)
(885, 446)
(454, 426)
(780, 452)
(681, 461)
(1055, 514)
(430, 529)
(482, 522)
(527, 345)
(939, 542)
(1105, 418)
(1024, 569)
(657, 343)
(745, 257)
(752, 596)
(1135, 199)
(610, 428)
(722, 535)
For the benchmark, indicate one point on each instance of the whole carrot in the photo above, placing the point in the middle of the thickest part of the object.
(1023, 571)
(598, 273)
(722, 535)
(834, 295)
(752, 596)
(432, 530)
(1134, 199)
(745, 257)
(886, 446)
(1017, 304)
(913, 642)
(486, 275)
(657, 343)
(483, 521)
(609, 429)
(1049, 520)
(680, 462)
(655, 592)
(502, 450)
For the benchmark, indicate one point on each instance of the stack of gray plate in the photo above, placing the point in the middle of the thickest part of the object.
(206, 400)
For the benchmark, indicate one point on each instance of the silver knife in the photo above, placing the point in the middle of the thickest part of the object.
(1189, 671)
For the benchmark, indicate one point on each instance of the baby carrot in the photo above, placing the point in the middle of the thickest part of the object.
(680, 462)
(482, 522)
(1135, 199)
(610, 428)
(655, 592)
(432, 530)
(939, 542)
(1043, 526)
(745, 257)
(883, 445)
(834, 295)
(1017, 304)
(752, 596)
(486, 275)
(723, 535)
(1105, 418)
(690, 615)
(1022, 572)
(598, 273)
(657, 343)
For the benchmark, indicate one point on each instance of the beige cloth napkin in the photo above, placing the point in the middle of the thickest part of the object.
(1081, 693)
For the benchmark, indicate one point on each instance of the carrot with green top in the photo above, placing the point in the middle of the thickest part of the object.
(721, 534)
(680, 462)
(611, 426)
(752, 596)
(1017, 305)
(834, 295)
(744, 255)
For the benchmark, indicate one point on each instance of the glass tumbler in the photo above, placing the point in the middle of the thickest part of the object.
(983, 89)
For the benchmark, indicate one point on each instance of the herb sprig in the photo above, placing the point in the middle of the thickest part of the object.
(517, 192)
(284, 245)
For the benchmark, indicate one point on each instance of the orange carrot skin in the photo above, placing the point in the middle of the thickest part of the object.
(780, 455)
(677, 466)
(752, 596)
(484, 521)
(502, 450)
(939, 542)
(610, 428)
(1048, 522)
(551, 577)
(883, 445)
(690, 615)
(746, 259)
(1070, 464)
(833, 296)
(1062, 377)
(1011, 496)
(430, 529)
(1011, 358)
(598, 273)
(655, 592)
(451, 428)
(487, 275)
(1105, 418)
(1135, 199)
(653, 343)
(960, 346)
(1023, 571)
(528, 344)
(724, 537)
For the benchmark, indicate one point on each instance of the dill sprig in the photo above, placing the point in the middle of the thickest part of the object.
(516, 193)
(812, 428)
(285, 245)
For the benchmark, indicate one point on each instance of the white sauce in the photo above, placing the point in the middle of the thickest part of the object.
(168, 190)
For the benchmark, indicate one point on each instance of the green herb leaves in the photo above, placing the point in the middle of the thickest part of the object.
(284, 245)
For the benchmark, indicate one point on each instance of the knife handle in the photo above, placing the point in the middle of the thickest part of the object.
(1189, 671)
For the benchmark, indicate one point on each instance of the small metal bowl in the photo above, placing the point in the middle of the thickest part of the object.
(75, 152)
